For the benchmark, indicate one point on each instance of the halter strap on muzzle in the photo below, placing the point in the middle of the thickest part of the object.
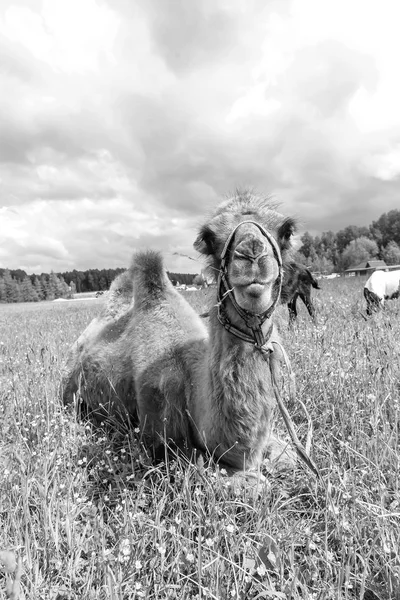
(252, 320)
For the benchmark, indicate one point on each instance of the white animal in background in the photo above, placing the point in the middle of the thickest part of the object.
(381, 286)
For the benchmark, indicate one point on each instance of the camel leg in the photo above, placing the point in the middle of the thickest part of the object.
(370, 308)
(280, 454)
(292, 308)
(374, 303)
(163, 422)
(152, 425)
(309, 305)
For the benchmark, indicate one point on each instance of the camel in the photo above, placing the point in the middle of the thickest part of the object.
(205, 388)
(297, 283)
(381, 286)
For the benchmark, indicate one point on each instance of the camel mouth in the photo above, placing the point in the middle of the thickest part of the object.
(255, 289)
(255, 297)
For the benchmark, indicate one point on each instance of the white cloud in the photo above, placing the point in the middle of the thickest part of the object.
(72, 36)
(384, 165)
(254, 102)
(107, 232)
(121, 123)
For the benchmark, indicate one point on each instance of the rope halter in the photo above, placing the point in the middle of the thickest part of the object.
(253, 321)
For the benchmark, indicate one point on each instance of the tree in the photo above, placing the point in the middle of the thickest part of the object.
(3, 293)
(12, 293)
(300, 258)
(102, 283)
(63, 288)
(77, 278)
(37, 286)
(17, 274)
(349, 234)
(92, 282)
(316, 263)
(387, 228)
(44, 285)
(55, 288)
(328, 247)
(28, 292)
(307, 247)
(322, 265)
(357, 251)
(391, 253)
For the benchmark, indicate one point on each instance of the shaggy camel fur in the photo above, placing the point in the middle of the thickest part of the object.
(149, 351)
(297, 283)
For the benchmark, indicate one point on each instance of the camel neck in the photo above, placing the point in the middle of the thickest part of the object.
(240, 396)
(255, 331)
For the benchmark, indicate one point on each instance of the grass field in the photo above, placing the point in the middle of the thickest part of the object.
(89, 517)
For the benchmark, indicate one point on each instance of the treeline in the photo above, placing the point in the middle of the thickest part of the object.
(33, 289)
(350, 246)
(91, 280)
(326, 253)
(17, 286)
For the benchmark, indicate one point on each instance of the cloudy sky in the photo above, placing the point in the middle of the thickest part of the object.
(123, 122)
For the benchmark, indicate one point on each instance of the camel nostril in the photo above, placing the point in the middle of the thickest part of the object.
(251, 248)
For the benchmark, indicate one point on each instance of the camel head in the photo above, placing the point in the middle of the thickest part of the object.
(247, 242)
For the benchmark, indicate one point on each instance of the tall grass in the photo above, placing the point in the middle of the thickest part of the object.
(91, 517)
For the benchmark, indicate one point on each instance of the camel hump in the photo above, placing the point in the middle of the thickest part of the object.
(150, 281)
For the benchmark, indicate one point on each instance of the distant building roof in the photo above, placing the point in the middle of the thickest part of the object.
(376, 263)
(369, 264)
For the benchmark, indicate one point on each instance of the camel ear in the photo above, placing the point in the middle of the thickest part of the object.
(205, 241)
(285, 232)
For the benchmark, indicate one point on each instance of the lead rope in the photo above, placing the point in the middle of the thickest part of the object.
(301, 451)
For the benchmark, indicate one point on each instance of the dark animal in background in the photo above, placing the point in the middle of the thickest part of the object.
(297, 283)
